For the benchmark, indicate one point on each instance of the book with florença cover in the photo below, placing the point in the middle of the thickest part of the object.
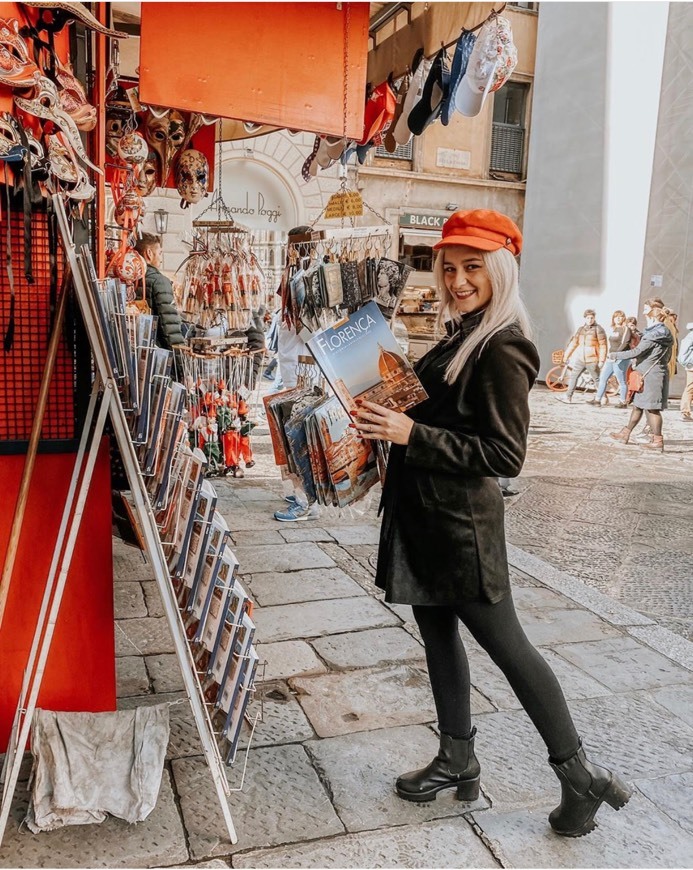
(361, 359)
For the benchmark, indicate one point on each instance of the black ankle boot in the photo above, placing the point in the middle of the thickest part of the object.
(584, 786)
(454, 766)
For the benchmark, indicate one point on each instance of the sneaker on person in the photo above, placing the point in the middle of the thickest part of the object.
(592, 401)
(604, 401)
(686, 417)
(297, 512)
(620, 404)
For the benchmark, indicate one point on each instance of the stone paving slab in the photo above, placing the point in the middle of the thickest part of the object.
(300, 534)
(666, 642)
(673, 796)
(247, 519)
(152, 598)
(147, 636)
(318, 618)
(636, 836)
(314, 584)
(257, 538)
(371, 648)
(289, 658)
(361, 770)
(282, 801)
(366, 700)
(548, 627)
(128, 600)
(129, 563)
(624, 664)
(357, 534)
(448, 843)
(131, 676)
(678, 700)
(550, 576)
(284, 722)
(490, 681)
(155, 842)
(165, 673)
(539, 598)
(282, 557)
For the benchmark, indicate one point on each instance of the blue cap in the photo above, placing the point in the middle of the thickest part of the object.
(463, 51)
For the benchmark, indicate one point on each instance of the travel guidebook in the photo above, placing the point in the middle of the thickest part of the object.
(361, 359)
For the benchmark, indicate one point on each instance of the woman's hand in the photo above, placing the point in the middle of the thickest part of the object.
(377, 423)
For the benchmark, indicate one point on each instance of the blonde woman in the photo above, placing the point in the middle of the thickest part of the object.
(442, 544)
(619, 339)
(651, 360)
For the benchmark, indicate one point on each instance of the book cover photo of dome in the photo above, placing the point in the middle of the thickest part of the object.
(361, 359)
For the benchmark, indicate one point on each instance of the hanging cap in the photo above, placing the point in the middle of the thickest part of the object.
(402, 133)
(483, 229)
(463, 51)
(492, 61)
(435, 90)
(79, 12)
(379, 112)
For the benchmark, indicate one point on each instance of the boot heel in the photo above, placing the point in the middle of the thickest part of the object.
(468, 790)
(617, 793)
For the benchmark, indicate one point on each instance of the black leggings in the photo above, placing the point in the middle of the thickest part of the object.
(496, 628)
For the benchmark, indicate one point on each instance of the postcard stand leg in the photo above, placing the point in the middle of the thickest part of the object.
(111, 402)
(44, 630)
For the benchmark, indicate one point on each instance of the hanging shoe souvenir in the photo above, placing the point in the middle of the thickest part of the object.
(16, 68)
(192, 177)
(165, 132)
(45, 104)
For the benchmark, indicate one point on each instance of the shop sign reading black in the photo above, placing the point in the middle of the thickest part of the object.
(429, 221)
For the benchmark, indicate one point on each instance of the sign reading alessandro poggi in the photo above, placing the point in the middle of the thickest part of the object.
(430, 221)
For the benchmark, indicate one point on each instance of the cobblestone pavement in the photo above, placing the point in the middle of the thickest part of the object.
(599, 548)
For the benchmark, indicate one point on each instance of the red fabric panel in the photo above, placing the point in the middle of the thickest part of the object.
(80, 673)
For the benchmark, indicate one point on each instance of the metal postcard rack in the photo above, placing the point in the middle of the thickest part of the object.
(105, 396)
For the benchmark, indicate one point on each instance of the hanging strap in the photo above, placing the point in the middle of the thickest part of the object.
(9, 334)
(28, 199)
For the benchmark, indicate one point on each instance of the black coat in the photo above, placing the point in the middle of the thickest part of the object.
(651, 357)
(442, 539)
(160, 300)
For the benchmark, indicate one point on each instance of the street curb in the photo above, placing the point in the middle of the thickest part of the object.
(641, 627)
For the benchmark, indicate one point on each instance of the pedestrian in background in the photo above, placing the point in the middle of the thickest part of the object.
(652, 364)
(618, 340)
(587, 349)
(686, 360)
(442, 543)
(635, 334)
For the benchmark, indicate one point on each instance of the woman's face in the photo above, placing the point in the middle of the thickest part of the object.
(466, 278)
(618, 319)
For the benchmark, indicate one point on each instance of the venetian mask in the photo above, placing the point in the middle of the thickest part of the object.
(165, 134)
(73, 99)
(192, 177)
(116, 123)
(16, 69)
(129, 210)
(132, 148)
(145, 176)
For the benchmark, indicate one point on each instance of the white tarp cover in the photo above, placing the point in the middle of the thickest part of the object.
(87, 765)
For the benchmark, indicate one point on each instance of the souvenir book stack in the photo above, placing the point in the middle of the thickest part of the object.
(361, 359)
(194, 535)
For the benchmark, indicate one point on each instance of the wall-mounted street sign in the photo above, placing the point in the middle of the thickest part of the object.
(424, 221)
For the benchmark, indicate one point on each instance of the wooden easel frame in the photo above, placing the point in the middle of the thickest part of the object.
(105, 391)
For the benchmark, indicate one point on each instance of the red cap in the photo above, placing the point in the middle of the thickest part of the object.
(483, 229)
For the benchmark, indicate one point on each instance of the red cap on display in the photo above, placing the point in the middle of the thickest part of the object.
(483, 229)
(379, 112)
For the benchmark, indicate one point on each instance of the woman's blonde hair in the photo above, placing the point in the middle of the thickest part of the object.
(617, 313)
(506, 306)
(657, 313)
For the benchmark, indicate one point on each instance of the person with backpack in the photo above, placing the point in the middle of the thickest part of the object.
(685, 358)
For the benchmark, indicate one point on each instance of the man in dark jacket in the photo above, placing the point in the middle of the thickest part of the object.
(160, 293)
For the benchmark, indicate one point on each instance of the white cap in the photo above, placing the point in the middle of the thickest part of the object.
(402, 134)
(492, 61)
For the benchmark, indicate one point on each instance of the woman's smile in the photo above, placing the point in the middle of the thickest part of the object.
(466, 278)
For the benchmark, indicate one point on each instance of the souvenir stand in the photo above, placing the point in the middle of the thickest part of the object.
(80, 342)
